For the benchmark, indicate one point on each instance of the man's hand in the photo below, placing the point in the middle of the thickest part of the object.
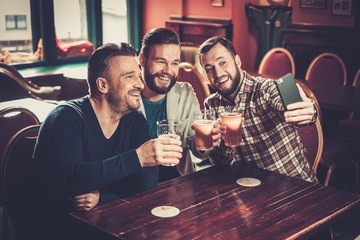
(300, 112)
(86, 202)
(160, 151)
(216, 134)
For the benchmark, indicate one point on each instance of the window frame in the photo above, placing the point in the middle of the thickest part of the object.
(43, 26)
(16, 20)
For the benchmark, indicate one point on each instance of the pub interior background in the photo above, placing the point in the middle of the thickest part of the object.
(305, 28)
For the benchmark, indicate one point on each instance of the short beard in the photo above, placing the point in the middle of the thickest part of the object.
(233, 87)
(117, 104)
(150, 83)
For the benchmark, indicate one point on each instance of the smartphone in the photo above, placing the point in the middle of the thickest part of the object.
(288, 90)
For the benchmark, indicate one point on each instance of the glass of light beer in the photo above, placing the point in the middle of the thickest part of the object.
(203, 126)
(169, 129)
(232, 119)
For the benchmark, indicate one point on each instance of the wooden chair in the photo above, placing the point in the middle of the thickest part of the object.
(327, 68)
(312, 135)
(188, 73)
(335, 149)
(350, 127)
(14, 85)
(276, 63)
(312, 138)
(15, 178)
(13, 119)
(189, 54)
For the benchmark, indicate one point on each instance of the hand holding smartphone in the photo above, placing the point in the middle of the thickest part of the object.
(288, 90)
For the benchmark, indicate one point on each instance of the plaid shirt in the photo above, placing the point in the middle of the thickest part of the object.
(267, 140)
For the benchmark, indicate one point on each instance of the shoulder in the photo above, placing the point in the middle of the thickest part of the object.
(70, 110)
(261, 84)
(183, 90)
(183, 87)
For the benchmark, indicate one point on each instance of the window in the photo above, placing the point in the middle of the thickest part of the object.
(71, 33)
(14, 22)
(15, 32)
(53, 32)
(114, 16)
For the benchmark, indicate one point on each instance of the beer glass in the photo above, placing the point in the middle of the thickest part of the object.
(169, 129)
(203, 126)
(232, 119)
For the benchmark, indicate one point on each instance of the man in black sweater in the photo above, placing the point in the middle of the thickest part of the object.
(96, 148)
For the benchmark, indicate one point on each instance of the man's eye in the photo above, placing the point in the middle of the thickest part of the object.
(222, 63)
(209, 70)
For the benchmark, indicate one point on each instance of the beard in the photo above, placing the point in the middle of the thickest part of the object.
(235, 81)
(150, 82)
(119, 105)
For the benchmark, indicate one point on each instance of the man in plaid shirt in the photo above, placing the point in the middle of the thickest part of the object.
(269, 138)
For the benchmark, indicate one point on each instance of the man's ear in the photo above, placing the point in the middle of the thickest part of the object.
(102, 85)
(141, 60)
(238, 61)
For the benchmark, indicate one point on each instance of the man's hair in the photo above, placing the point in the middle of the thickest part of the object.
(211, 42)
(158, 36)
(98, 65)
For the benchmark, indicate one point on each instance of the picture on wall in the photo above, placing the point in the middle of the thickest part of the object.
(341, 7)
(217, 3)
(312, 3)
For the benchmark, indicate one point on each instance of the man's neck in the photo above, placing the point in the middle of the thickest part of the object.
(151, 95)
(107, 118)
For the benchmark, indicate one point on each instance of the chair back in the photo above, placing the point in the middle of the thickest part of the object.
(312, 135)
(350, 127)
(12, 119)
(327, 68)
(313, 140)
(13, 86)
(356, 84)
(190, 54)
(16, 170)
(356, 81)
(188, 73)
(276, 63)
(10, 69)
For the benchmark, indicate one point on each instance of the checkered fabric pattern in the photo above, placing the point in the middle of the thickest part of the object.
(267, 140)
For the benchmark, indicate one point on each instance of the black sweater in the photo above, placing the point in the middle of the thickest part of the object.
(72, 156)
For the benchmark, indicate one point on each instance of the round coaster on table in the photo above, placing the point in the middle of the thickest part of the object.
(165, 211)
(248, 182)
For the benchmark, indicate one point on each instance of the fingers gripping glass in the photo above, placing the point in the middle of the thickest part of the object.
(169, 129)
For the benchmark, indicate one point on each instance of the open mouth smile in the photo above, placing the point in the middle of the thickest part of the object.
(222, 80)
(135, 94)
(164, 78)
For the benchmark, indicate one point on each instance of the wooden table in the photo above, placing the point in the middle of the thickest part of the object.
(213, 206)
(40, 108)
